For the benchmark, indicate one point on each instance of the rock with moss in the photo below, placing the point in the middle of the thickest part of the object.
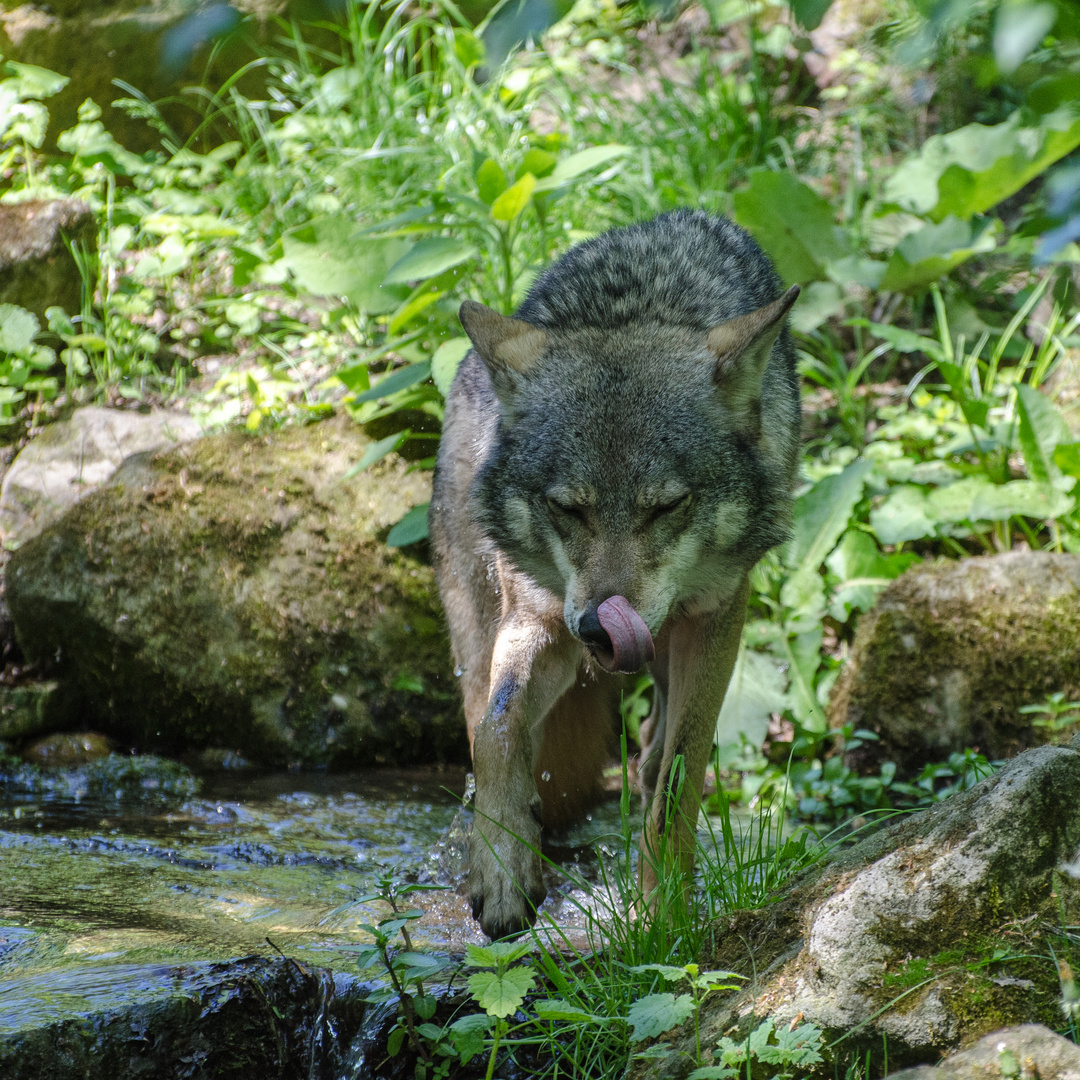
(37, 269)
(236, 592)
(1027, 1050)
(925, 936)
(953, 650)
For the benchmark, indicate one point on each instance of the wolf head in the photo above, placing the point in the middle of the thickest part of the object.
(646, 460)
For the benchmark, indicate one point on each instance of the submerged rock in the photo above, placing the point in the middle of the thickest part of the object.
(953, 650)
(236, 592)
(245, 1018)
(74, 457)
(1026, 1052)
(907, 936)
(66, 749)
(37, 269)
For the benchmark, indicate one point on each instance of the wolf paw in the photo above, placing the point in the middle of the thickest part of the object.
(506, 886)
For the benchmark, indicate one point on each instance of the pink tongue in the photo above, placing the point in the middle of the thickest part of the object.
(631, 643)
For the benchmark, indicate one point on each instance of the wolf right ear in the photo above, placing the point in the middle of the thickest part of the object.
(507, 346)
(742, 347)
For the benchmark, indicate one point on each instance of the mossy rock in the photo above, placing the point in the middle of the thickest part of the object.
(236, 592)
(923, 938)
(953, 650)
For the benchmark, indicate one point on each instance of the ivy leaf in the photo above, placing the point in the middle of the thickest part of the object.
(501, 994)
(654, 1014)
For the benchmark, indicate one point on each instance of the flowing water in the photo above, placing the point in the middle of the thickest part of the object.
(122, 886)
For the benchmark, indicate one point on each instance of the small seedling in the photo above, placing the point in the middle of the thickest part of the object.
(1054, 712)
(654, 1014)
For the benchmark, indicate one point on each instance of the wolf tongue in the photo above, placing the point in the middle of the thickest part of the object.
(631, 643)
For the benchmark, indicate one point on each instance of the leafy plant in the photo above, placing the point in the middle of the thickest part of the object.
(1054, 713)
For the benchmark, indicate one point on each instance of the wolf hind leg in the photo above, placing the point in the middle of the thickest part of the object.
(580, 737)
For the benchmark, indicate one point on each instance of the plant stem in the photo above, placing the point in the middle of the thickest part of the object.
(494, 1049)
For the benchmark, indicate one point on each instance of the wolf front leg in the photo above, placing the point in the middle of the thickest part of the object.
(702, 650)
(533, 664)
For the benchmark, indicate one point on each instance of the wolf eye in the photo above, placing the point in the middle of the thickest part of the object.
(671, 507)
(567, 509)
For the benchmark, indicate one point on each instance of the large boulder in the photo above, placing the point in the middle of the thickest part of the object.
(953, 650)
(37, 269)
(928, 934)
(236, 592)
(74, 457)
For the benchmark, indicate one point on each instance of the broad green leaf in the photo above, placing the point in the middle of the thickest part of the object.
(901, 340)
(570, 168)
(1020, 498)
(858, 560)
(501, 995)
(412, 528)
(445, 362)
(975, 410)
(714, 1072)
(497, 954)
(1018, 28)
(668, 972)
(972, 169)
(818, 301)
(401, 379)
(1042, 430)
(822, 513)
(796, 227)
(1067, 458)
(467, 1035)
(803, 653)
(809, 13)
(18, 327)
(332, 257)
(514, 199)
(36, 82)
(92, 144)
(904, 515)
(757, 689)
(427, 258)
(491, 180)
(928, 254)
(654, 1014)
(538, 162)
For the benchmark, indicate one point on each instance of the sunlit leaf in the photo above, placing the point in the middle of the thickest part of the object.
(491, 180)
(570, 168)
(429, 257)
(929, 253)
(501, 994)
(1042, 430)
(514, 199)
(18, 328)
(654, 1014)
(445, 362)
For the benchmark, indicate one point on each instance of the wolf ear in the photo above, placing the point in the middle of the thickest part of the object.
(742, 347)
(507, 346)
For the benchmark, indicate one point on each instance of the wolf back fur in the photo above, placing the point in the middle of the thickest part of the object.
(632, 432)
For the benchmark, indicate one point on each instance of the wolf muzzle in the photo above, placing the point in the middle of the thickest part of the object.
(629, 644)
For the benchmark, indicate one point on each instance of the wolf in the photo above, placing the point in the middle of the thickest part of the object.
(615, 459)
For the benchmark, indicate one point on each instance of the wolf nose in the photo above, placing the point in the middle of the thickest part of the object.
(591, 632)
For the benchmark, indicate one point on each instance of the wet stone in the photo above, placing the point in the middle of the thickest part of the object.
(67, 749)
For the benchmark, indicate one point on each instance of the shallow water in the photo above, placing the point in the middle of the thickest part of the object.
(100, 889)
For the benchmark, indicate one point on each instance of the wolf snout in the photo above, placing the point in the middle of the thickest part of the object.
(617, 636)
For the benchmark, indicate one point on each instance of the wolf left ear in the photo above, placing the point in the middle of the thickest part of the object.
(742, 347)
(507, 346)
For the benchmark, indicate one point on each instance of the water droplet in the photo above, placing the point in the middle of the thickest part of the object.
(458, 671)
(545, 776)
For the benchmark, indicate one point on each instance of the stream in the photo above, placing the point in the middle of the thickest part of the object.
(127, 897)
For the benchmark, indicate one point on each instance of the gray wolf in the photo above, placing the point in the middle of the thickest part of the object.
(615, 459)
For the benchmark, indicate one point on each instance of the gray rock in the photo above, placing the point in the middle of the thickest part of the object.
(953, 650)
(73, 457)
(1025, 1052)
(250, 1017)
(890, 939)
(36, 267)
(235, 592)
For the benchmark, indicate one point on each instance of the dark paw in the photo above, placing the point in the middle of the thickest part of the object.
(477, 907)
